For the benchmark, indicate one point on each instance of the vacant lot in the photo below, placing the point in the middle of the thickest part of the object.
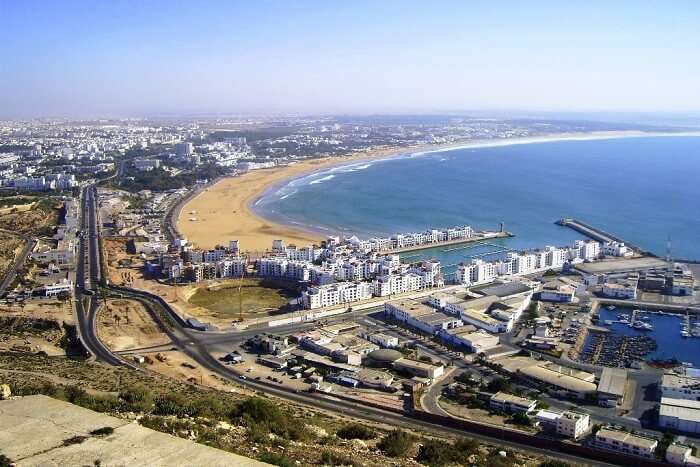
(37, 219)
(256, 298)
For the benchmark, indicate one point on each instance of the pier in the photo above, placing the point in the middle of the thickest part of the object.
(476, 238)
(596, 233)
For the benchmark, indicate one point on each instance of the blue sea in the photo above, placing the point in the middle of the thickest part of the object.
(643, 189)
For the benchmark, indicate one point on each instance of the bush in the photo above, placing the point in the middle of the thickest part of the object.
(137, 398)
(5, 461)
(104, 431)
(553, 463)
(438, 453)
(520, 418)
(262, 417)
(397, 443)
(355, 431)
(171, 404)
(277, 459)
(497, 385)
(331, 458)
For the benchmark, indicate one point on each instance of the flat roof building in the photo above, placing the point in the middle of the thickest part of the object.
(509, 403)
(611, 388)
(680, 414)
(626, 443)
(416, 368)
(569, 382)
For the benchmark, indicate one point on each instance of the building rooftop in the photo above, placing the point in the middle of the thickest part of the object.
(613, 381)
(512, 399)
(554, 378)
(628, 438)
(504, 290)
(680, 382)
(683, 409)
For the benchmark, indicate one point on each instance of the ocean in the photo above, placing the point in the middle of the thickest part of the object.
(643, 189)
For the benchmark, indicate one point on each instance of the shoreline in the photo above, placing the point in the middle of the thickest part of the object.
(256, 232)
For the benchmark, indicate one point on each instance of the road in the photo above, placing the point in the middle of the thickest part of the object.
(87, 280)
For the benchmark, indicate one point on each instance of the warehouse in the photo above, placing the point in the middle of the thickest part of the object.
(680, 414)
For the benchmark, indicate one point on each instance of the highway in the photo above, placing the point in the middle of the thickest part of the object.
(87, 281)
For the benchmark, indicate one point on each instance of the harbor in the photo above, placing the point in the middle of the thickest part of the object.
(676, 336)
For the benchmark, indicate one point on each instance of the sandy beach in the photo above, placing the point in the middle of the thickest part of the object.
(223, 211)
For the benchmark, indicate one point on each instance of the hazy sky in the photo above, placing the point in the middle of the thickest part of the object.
(136, 57)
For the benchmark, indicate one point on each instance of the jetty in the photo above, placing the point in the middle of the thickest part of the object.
(477, 238)
(596, 233)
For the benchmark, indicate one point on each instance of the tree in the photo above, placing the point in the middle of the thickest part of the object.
(397, 443)
(519, 418)
(498, 384)
(355, 431)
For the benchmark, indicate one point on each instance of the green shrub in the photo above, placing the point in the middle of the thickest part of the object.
(355, 431)
(104, 431)
(331, 458)
(277, 459)
(520, 418)
(554, 463)
(137, 398)
(438, 453)
(397, 443)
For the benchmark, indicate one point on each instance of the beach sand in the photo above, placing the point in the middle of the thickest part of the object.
(222, 211)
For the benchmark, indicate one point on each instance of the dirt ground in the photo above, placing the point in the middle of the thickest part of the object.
(125, 269)
(126, 327)
(34, 327)
(10, 247)
(479, 415)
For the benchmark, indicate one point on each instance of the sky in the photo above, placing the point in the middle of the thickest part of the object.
(104, 58)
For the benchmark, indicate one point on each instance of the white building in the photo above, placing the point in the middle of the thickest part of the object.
(680, 414)
(585, 250)
(509, 403)
(616, 249)
(146, 165)
(623, 289)
(626, 443)
(680, 387)
(568, 424)
(475, 273)
(419, 316)
(555, 291)
(335, 294)
(382, 340)
(184, 149)
(64, 286)
(476, 341)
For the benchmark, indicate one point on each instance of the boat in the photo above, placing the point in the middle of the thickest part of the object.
(608, 322)
(685, 334)
(641, 326)
(610, 307)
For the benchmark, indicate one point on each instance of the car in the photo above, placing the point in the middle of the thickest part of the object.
(242, 376)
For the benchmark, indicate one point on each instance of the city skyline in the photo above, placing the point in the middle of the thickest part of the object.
(78, 59)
